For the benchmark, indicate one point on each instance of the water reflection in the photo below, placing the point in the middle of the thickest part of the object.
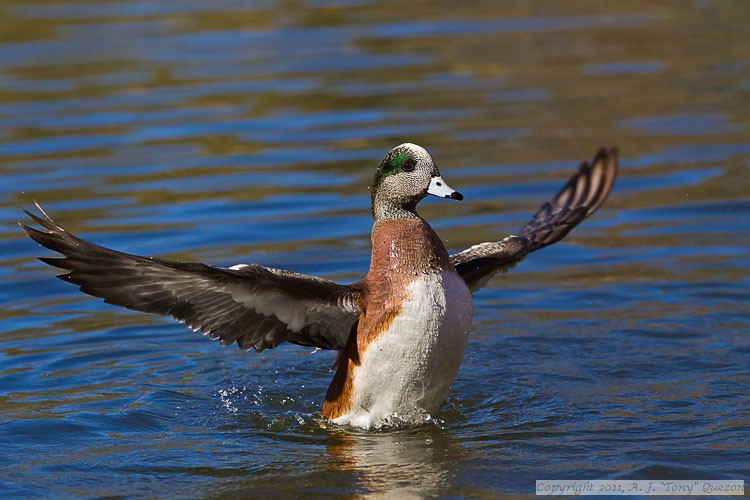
(402, 464)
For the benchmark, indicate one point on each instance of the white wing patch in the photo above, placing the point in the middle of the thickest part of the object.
(296, 314)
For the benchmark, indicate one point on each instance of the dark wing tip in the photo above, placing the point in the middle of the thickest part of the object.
(607, 160)
(583, 194)
(606, 152)
(45, 221)
(50, 235)
(591, 184)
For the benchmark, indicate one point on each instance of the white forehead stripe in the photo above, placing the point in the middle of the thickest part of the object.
(419, 152)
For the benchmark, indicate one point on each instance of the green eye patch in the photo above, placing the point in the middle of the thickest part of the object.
(400, 161)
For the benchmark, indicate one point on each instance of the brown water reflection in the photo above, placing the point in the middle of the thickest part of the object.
(401, 464)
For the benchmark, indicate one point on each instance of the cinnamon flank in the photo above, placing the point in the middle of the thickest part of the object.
(402, 250)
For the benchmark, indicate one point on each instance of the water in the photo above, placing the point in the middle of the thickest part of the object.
(224, 133)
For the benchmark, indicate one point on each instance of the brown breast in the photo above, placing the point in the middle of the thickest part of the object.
(401, 251)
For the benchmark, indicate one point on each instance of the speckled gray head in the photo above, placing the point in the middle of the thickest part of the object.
(405, 176)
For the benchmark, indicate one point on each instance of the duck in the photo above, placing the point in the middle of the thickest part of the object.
(400, 332)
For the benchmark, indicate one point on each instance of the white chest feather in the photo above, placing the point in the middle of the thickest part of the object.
(409, 369)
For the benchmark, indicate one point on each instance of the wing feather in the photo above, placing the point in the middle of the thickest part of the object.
(254, 306)
(580, 197)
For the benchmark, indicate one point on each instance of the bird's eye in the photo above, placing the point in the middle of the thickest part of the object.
(409, 165)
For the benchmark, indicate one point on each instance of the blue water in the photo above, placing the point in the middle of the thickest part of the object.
(229, 132)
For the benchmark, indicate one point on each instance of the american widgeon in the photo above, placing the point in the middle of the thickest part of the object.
(400, 332)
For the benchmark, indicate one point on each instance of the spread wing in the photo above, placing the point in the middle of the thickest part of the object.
(251, 305)
(584, 193)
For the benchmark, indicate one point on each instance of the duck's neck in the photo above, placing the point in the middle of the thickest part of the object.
(394, 214)
(382, 212)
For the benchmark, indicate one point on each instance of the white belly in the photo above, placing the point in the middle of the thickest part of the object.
(409, 369)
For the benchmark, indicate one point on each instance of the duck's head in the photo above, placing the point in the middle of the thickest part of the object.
(405, 176)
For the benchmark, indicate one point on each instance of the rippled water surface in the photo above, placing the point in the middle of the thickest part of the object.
(228, 132)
